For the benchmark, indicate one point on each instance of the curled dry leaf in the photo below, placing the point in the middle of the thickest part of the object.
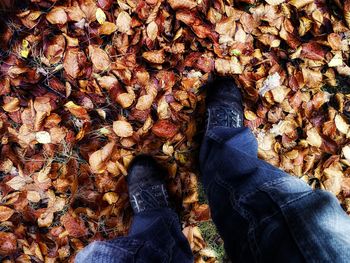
(333, 180)
(346, 152)
(182, 4)
(152, 30)
(43, 137)
(275, 2)
(313, 137)
(228, 66)
(341, 124)
(33, 196)
(57, 16)
(154, 56)
(110, 197)
(8, 243)
(125, 99)
(18, 182)
(45, 219)
(165, 129)
(5, 213)
(77, 111)
(74, 225)
(99, 58)
(98, 159)
(144, 102)
(122, 128)
(12, 105)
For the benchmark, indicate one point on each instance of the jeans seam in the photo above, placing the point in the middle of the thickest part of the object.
(255, 250)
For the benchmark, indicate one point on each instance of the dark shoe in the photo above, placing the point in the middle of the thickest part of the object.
(146, 185)
(224, 104)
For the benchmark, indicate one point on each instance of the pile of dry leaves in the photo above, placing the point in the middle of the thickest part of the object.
(86, 85)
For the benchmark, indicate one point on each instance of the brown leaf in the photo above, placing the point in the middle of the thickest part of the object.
(182, 4)
(165, 129)
(123, 22)
(77, 111)
(12, 105)
(312, 50)
(57, 16)
(144, 102)
(5, 213)
(98, 159)
(154, 56)
(122, 128)
(8, 243)
(227, 67)
(71, 62)
(99, 58)
(74, 225)
(105, 4)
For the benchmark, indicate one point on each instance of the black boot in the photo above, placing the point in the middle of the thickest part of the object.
(224, 104)
(146, 185)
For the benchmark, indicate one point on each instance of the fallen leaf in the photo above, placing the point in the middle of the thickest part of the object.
(100, 16)
(5, 213)
(341, 124)
(74, 225)
(152, 30)
(107, 28)
(165, 129)
(182, 4)
(98, 159)
(57, 15)
(144, 102)
(43, 137)
(123, 22)
(228, 66)
(8, 243)
(99, 58)
(154, 56)
(313, 138)
(17, 182)
(122, 128)
(12, 105)
(110, 198)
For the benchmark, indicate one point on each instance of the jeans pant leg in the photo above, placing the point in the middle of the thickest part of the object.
(264, 214)
(155, 236)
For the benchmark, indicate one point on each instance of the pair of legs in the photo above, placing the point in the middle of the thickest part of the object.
(262, 213)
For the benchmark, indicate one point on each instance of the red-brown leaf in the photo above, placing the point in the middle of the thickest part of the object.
(165, 129)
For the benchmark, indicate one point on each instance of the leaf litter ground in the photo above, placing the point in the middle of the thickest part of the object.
(86, 85)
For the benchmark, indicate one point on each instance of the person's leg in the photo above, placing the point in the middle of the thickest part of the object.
(262, 213)
(155, 234)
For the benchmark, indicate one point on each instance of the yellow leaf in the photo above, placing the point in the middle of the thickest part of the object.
(110, 197)
(100, 16)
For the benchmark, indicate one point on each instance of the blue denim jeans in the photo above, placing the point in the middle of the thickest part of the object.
(262, 214)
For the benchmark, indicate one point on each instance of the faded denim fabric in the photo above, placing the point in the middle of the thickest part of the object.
(262, 214)
(155, 236)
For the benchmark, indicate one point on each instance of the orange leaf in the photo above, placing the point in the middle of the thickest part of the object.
(8, 243)
(5, 213)
(99, 58)
(99, 158)
(165, 129)
(57, 16)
